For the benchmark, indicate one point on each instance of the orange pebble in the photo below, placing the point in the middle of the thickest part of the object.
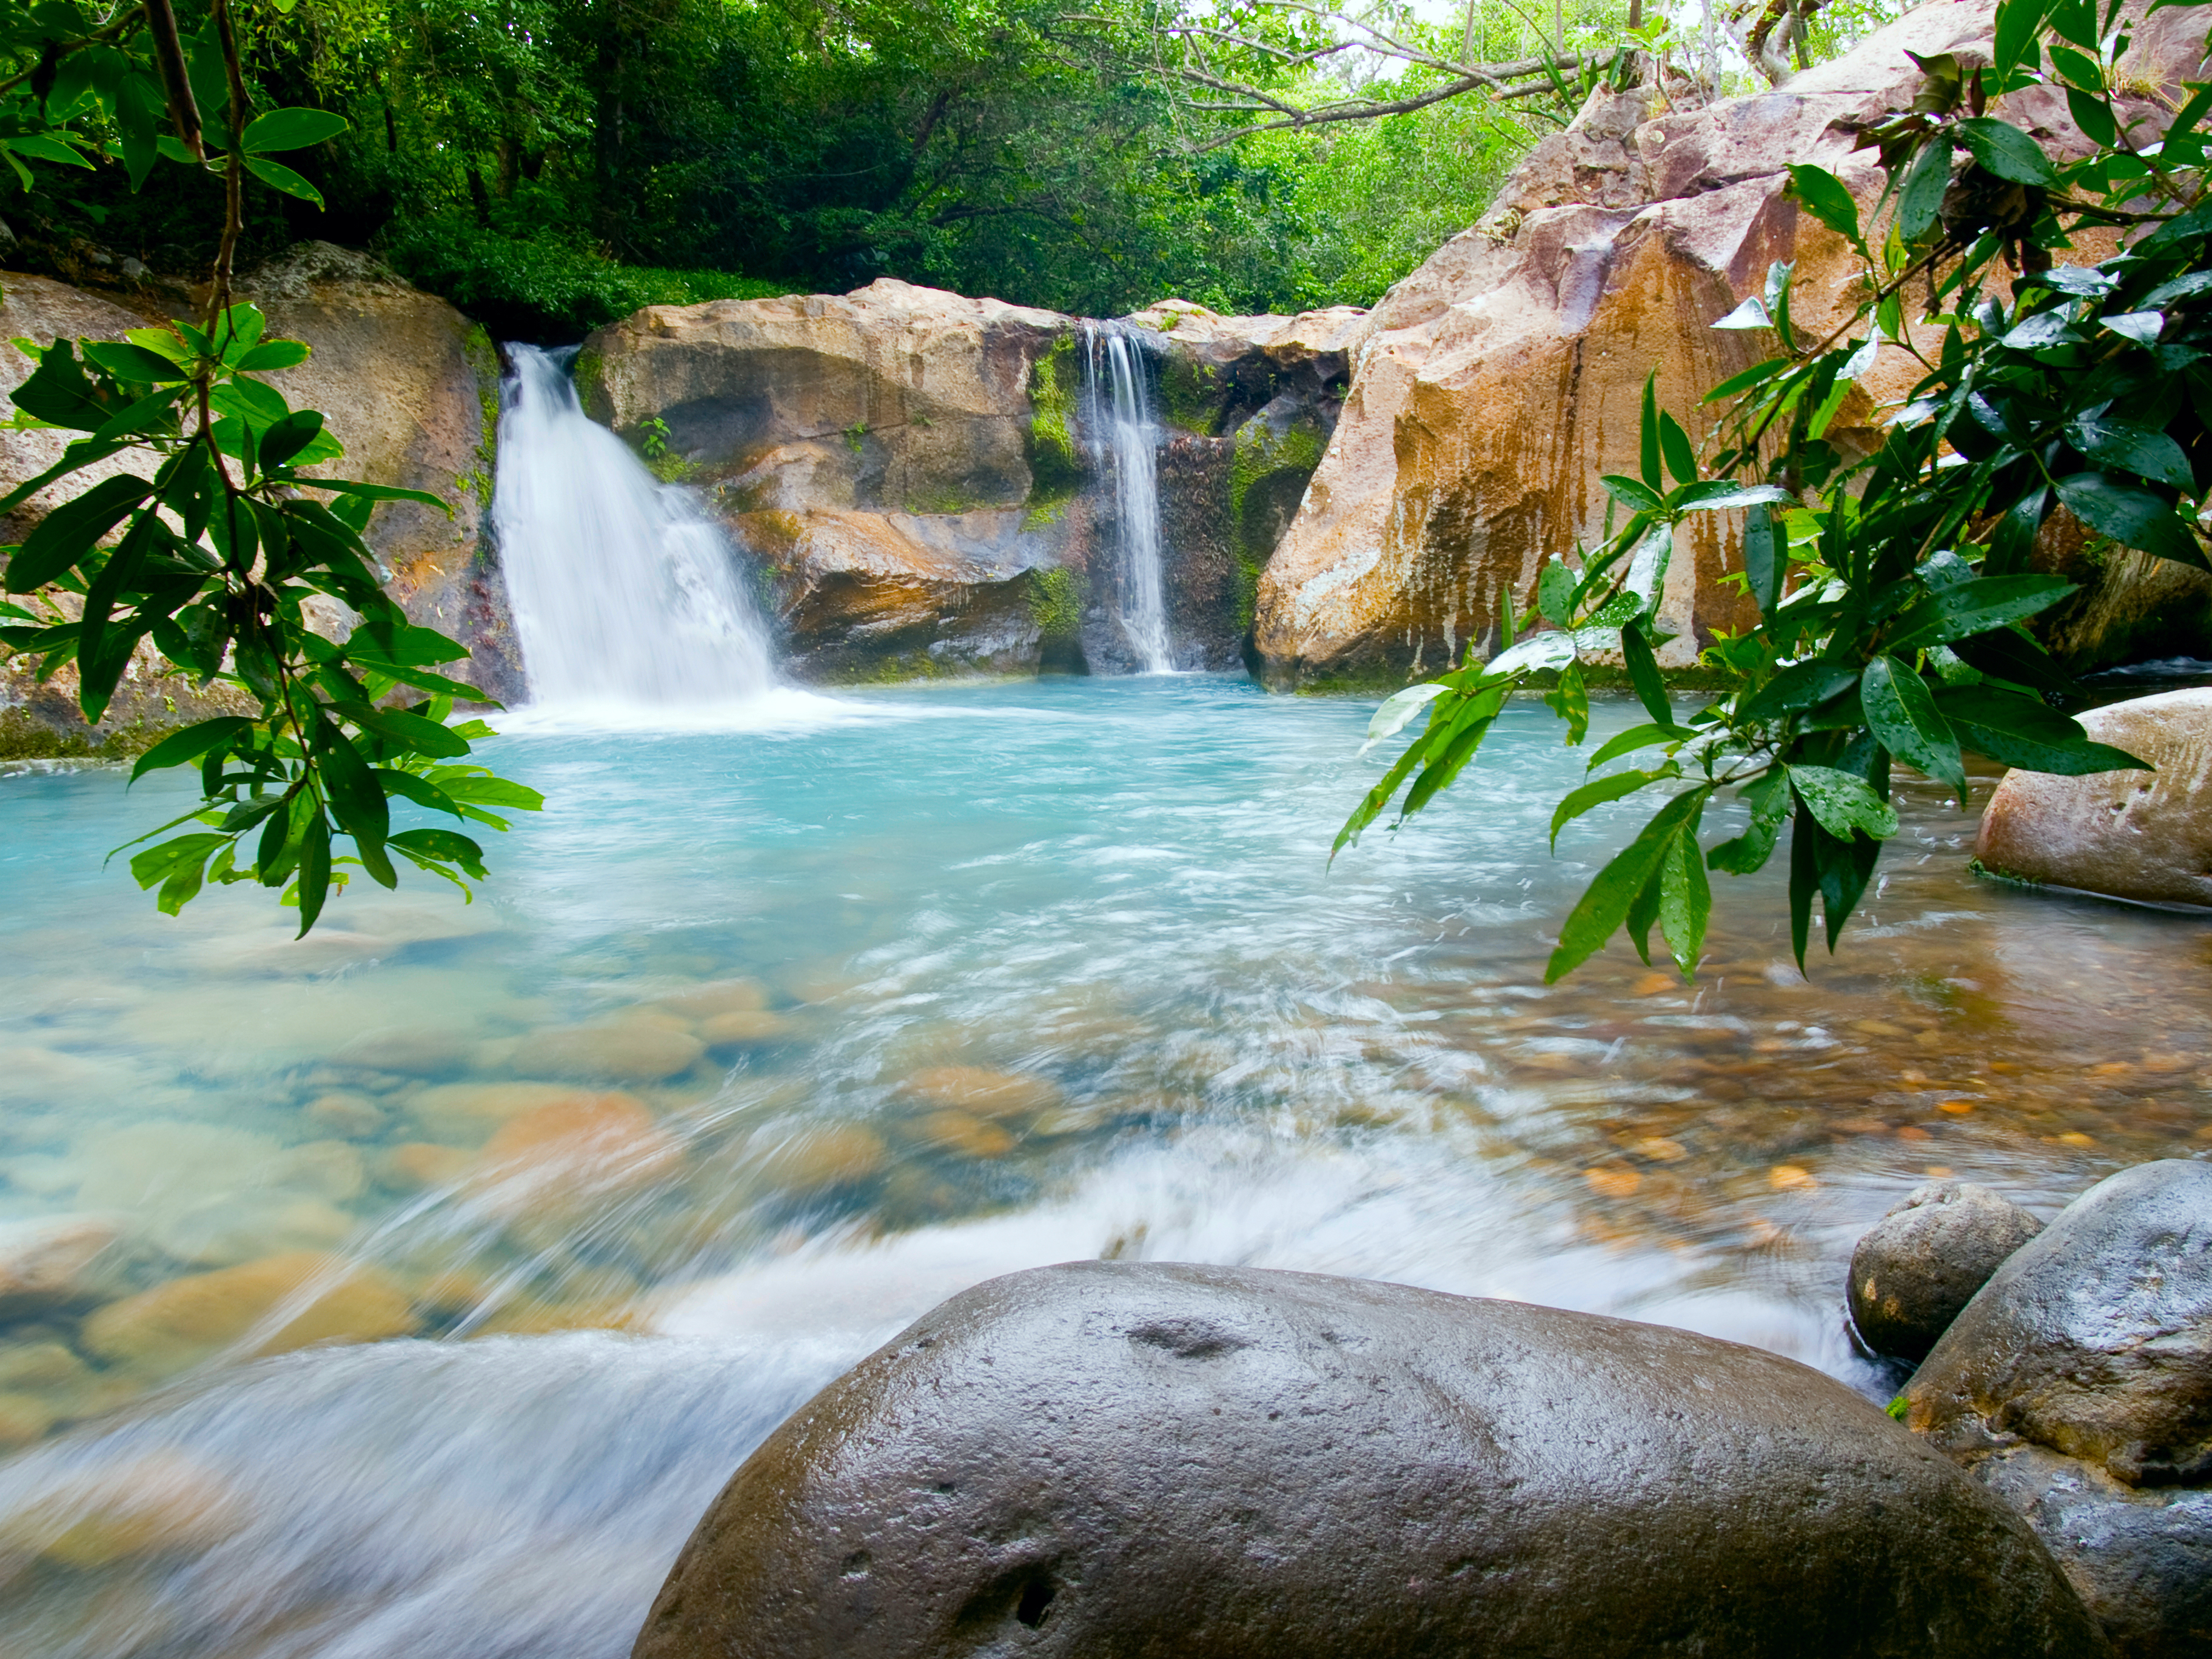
(1613, 1183)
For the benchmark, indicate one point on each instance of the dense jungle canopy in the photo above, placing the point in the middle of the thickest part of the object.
(552, 164)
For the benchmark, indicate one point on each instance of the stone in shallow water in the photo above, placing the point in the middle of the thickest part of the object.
(730, 996)
(635, 1050)
(2094, 1339)
(826, 1155)
(742, 1028)
(1113, 1459)
(44, 1264)
(982, 1092)
(551, 1160)
(186, 1320)
(1915, 1269)
(2134, 834)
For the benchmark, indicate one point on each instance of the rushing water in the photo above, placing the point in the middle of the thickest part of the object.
(930, 987)
(625, 593)
(1118, 411)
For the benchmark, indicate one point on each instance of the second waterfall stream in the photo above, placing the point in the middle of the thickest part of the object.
(626, 595)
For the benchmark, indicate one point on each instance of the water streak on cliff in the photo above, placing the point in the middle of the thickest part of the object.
(625, 594)
(1118, 414)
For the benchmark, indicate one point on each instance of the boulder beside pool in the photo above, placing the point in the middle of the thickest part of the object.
(2077, 1384)
(1112, 1458)
(1914, 1271)
(2131, 835)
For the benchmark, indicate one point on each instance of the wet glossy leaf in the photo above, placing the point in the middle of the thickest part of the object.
(1843, 802)
(2132, 517)
(290, 129)
(2004, 150)
(1605, 906)
(1901, 712)
(1974, 607)
(1595, 794)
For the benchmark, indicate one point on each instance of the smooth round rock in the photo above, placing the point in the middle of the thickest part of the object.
(2131, 834)
(2094, 1339)
(1112, 1460)
(1914, 1270)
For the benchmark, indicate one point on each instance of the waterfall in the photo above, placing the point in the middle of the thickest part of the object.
(1118, 413)
(625, 594)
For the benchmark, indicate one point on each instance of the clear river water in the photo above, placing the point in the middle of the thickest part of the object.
(763, 1040)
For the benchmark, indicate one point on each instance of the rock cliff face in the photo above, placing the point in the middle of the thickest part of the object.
(921, 479)
(1497, 383)
(408, 385)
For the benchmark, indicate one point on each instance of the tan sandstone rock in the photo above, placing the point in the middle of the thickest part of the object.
(304, 1297)
(46, 1263)
(2142, 835)
(1497, 383)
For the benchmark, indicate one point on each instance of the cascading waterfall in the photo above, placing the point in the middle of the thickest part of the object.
(625, 593)
(1118, 413)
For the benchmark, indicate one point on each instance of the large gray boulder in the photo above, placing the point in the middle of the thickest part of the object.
(2145, 835)
(1112, 1458)
(2094, 1339)
(1914, 1271)
(2078, 1386)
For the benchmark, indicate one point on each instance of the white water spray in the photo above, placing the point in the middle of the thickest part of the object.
(1118, 411)
(626, 595)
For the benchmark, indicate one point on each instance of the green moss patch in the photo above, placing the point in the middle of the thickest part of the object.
(1055, 602)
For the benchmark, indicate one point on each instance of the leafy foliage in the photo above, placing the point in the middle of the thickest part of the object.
(218, 546)
(1891, 587)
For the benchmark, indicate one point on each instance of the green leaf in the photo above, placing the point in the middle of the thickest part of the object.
(1636, 738)
(1605, 906)
(314, 883)
(1632, 494)
(1762, 559)
(277, 176)
(1610, 788)
(1825, 197)
(132, 362)
(1843, 802)
(1719, 494)
(1674, 445)
(251, 401)
(1685, 900)
(2027, 733)
(45, 147)
(1902, 715)
(290, 129)
(1920, 193)
(1643, 667)
(272, 354)
(1569, 701)
(2004, 150)
(2017, 23)
(158, 865)
(1801, 686)
(442, 845)
(69, 532)
(1975, 607)
(378, 493)
(1649, 435)
(81, 452)
(59, 393)
(2091, 113)
(2138, 449)
(416, 732)
(1400, 709)
(421, 790)
(356, 799)
(1555, 592)
(2134, 518)
(290, 436)
(1768, 797)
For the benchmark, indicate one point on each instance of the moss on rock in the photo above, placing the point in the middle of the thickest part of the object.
(1055, 602)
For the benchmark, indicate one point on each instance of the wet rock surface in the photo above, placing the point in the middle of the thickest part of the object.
(911, 473)
(1118, 1459)
(1916, 1268)
(2145, 835)
(2140, 1558)
(406, 382)
(2094, 1339)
